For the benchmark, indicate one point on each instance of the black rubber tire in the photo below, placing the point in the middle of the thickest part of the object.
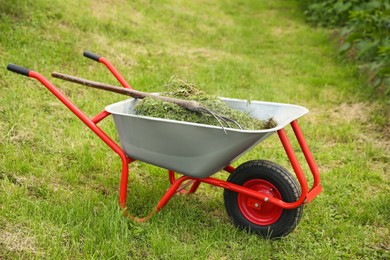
(285, 184)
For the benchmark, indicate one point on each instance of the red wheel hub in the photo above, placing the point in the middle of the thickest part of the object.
(257, 211)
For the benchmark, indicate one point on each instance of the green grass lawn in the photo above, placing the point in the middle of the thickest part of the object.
(59, 182)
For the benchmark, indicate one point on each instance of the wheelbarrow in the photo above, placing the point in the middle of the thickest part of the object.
(260, 196)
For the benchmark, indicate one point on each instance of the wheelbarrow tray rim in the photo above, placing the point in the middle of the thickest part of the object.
(299, 112)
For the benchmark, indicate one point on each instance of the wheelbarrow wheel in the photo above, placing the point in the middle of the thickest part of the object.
(257, 216)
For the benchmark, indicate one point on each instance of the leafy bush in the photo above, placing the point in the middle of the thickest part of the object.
(364, 27)
(329, 13)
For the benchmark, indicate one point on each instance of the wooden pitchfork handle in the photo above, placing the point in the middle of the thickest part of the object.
(188, 104)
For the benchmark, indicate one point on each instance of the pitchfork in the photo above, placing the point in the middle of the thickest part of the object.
(190, 105)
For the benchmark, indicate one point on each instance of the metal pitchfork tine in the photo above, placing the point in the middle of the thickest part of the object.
(221, 118)
(187, 104)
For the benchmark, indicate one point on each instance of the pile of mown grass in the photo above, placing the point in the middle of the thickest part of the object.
(183, 90)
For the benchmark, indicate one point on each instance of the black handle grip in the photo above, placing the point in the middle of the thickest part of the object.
(18, 69)
(91, 55)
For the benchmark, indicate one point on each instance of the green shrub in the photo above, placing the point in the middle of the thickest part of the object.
(364, 26)
(330, 13)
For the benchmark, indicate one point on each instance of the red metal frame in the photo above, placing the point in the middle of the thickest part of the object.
(181, 184)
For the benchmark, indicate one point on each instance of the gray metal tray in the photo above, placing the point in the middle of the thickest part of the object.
(192, 149)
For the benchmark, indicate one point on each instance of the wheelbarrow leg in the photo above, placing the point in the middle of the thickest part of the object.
(124, 180)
